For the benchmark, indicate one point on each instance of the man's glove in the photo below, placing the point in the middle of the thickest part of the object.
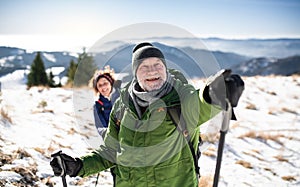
(224, 85)
(63, 164)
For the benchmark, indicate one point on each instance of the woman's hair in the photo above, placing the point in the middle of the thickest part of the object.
(107, 73)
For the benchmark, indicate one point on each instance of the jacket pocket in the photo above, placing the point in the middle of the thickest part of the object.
(182, 167)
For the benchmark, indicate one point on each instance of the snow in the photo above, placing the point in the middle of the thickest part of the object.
(15, 79)
(55, 70)
(49, 57)
(10, 174)
(3, 60)
(275, 125)
(265, 136)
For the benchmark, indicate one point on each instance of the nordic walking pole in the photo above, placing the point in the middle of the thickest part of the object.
(97, 179)
(64, 181)
(62, 164)
(223, 131)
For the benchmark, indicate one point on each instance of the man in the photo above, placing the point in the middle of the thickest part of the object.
(144, 144)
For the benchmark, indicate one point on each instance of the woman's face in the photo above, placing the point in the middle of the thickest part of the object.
(104, 87)
(151, 74)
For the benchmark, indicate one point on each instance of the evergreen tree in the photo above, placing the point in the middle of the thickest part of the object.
(71, 72)
(37, 75)
(85, 69)
(51, 82)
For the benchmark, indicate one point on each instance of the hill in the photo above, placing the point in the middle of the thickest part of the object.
(269, 66)
(261, 148)
(12, 59)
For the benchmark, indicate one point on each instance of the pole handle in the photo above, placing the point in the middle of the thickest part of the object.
(227, 116)
(61, 162)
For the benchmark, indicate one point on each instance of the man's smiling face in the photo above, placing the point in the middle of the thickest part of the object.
(151, 74)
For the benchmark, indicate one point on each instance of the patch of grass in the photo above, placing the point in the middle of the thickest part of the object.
(58, 144)
(253, 155)
(210, 152)
(28, 173)
(289, 178)
(3, 182)
(255, 151)
(281, 158)
(210, 137)
(244, 163)
(263, 136)
(5, 159)
(271, 112)
(206, 180)
(21, 153)
(284, 109)
(42, 104)
(250, 134)
(270, 170)
(72, 131)
(47, 181)
(271, 93)
(40, 150)
(251, 106)
(5, 115)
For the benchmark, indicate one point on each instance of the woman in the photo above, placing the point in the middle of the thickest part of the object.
(103, 85)
(107, 90)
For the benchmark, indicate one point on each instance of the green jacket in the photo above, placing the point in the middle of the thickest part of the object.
(151, 151)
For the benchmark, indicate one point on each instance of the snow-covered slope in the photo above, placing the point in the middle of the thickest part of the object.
(33, 124)
(262, 147)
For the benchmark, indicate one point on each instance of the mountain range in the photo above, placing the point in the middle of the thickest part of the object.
(246, 57)
(268, 66)
(13, 58)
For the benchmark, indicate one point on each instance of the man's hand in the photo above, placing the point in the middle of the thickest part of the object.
(63, 164)
(224, 85)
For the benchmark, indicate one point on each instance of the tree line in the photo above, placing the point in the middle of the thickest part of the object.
(38, 76)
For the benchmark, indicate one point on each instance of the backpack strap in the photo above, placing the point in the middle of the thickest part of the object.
(174, 113)
(118, 116)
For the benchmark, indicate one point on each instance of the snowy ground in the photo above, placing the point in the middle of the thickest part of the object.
(262, 147)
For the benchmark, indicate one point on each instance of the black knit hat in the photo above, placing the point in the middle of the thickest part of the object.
(142, 51)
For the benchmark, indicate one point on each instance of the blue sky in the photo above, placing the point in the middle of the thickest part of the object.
(90, 19)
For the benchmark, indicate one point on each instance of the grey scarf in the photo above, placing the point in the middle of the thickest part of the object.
(144, 99)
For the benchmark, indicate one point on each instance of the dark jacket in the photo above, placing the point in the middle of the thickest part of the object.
(102, 109)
